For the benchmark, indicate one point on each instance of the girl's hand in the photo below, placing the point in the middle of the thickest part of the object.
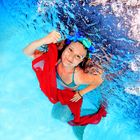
(52, 37)
(93, 68)
(76, 97)
(95, 71)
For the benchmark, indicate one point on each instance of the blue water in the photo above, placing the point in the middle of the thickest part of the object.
(25, 112)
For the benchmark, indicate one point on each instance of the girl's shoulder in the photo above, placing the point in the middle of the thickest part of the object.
(82, 77)
(78, 71)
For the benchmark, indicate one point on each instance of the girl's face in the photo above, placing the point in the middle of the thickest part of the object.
(73, 54)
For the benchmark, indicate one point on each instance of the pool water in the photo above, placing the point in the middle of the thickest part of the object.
(25, 112)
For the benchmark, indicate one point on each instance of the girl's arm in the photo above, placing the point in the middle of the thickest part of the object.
(50, 38)
(91, 86)
(93, 82)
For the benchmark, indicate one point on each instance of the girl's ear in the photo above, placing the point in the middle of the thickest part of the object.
(83, 63)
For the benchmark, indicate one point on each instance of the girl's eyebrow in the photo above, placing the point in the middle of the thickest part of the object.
(71, 46)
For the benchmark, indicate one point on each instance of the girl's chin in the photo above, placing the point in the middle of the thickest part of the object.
(67, 64)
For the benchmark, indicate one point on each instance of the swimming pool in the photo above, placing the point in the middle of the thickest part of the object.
(25, 113)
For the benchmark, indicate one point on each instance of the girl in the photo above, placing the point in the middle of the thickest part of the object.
(69, 71)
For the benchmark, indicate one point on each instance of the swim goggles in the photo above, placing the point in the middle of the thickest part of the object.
(85, 41)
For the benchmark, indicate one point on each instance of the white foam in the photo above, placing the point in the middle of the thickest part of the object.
(134, 66)
(135, 90)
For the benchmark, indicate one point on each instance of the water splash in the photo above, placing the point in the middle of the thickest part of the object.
(127, 9)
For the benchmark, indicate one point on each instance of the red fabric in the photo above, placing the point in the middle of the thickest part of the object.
(44, 67)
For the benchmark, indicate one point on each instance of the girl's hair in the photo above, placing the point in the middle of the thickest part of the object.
(87, 64)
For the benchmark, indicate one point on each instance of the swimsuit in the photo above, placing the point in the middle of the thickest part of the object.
(70, 85)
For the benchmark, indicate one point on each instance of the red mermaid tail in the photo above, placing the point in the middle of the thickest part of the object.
(90, 119)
